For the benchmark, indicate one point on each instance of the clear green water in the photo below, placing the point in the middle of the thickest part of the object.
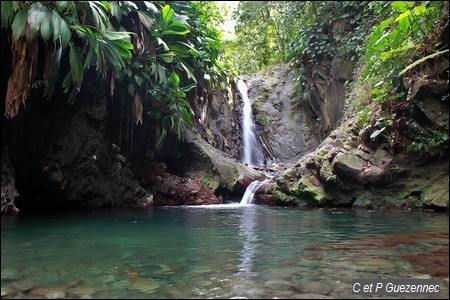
(213, 252)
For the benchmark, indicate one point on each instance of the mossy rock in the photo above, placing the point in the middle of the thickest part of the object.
(210, 183)
(437, 194)
(317, 192)
(288, 199)
(215, 166)
(363, 200)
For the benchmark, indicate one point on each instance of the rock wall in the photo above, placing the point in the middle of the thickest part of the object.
(218, 114)
(63, 157)
(347, 170)
(324, 74)
(281, 123)
(8, 188)
(216, 169)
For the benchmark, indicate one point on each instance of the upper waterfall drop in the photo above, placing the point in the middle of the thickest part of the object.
(252, 149)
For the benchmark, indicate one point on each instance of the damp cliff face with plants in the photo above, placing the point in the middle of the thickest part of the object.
(96, 96)
(372, 84)
(134, 104)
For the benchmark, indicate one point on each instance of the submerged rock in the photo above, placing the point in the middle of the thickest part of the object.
(10, 274)
(144, 285)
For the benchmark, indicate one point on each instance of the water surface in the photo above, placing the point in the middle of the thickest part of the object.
(220, 251)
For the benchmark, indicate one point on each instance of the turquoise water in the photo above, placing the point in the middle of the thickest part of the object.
(224, 251)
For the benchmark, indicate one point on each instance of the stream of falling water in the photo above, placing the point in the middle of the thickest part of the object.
(250, 191)
(252, 151)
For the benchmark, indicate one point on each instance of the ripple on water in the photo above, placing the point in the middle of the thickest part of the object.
(217, 252)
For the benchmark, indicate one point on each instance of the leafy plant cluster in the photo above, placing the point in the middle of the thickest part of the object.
(396, 39)
(404, 34)
(298, 32)
(410, 31)
(156, 51)
(431, 144)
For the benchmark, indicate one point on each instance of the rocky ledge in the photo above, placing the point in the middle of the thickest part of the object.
(348, 170)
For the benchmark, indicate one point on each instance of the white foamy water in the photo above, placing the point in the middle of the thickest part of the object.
(252, 150)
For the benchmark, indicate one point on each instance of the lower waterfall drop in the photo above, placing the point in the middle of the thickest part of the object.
(252, 150)
(251, 190)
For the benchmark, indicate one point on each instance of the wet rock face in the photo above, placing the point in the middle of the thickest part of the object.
(66, 158)
(8, 187)
(219, 119)
(345, 172)
(214, 166)
(281, 123)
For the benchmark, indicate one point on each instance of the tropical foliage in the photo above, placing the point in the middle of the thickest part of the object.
(155, 50)
(386, 39)
(270, 32)
(404, 34)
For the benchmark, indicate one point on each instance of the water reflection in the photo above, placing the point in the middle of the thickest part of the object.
(249, 237)
(226, 251)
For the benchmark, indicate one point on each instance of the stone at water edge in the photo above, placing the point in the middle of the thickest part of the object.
(145, 285)
(10, 274)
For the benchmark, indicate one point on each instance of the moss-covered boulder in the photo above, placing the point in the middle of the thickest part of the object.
(217, 167)
(437, 194)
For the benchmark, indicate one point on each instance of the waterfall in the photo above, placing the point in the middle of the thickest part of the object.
(252, 150)
(251, 190)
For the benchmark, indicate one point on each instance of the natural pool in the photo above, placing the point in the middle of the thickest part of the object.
(223, 251)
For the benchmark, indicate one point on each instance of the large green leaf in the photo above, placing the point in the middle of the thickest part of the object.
(116, 11)
(61, 30)
(177, 25)
(175, 32)
(161, 138)
(146, 20)
(123, 48)
(180, 51)
(139, 80)
(377, 35)
(40, 18)
(20, 20)
(421, 60)
(402, 6)
(403, 15)
(189, 72)
(61, 5)
(119, 35)
(46, 26)
(36, 15)
(189, 87)
(187, 117)
(151, 7)
(167, 15)
(7, 13)
(192, 49)
(167, 57)
(111, 55)
(161, 74)
(76, 63)
(419, 10)
(55, 71)
(377, 132)
(99, 16)
(161, 42)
